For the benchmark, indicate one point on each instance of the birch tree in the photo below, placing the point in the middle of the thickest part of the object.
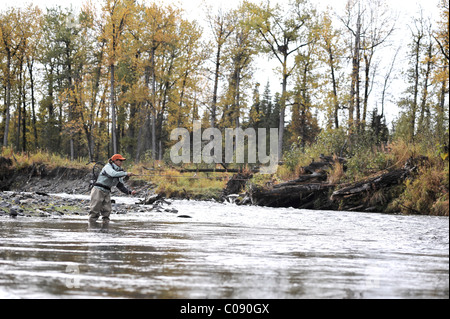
(11, 43)
(117, 15)
(222, 26)
(283, 32)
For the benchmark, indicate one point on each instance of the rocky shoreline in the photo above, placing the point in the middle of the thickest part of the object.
(25, 204)
(37, 191)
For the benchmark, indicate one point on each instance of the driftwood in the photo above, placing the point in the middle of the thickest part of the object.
(382, 181)
(361, 195)
(211, 170)
(313, 178)
(236, 184)
(309, 190)
(312, 191)
(311, 195)
(373, 184)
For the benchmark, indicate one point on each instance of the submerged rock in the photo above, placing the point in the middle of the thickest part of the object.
(13, 212)
(152, 199)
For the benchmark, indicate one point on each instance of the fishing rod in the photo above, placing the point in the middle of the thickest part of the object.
(190, 177)
(97, 165)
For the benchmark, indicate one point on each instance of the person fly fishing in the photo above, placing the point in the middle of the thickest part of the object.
(111, 175)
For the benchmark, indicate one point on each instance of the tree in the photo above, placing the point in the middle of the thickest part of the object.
(89, 84)
(334, 51)
(35, 34)
(415, 73)
(21, 110)
(156, 29)
(304, 126)
(72, 58)
(117, 14)
(50, 55)
(429, 61)
(369, 23)
(381, 24)
(283, 33)
(354, 12)
(256, 114)
(221, 26)
(441, 72)
(239, 53)
(11, 44)
(387, 80)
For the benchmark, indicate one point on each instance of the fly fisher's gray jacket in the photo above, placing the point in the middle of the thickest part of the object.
(110, 176)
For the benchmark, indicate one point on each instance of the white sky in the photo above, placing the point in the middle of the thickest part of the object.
(406, 7)
(195, 9)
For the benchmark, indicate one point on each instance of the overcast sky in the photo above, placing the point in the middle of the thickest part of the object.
(194, 7)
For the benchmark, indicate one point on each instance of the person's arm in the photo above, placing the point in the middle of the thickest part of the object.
(111, 172)
(121, 186)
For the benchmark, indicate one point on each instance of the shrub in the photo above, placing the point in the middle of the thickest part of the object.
(328, 142)
(336, 173)
(427, 193)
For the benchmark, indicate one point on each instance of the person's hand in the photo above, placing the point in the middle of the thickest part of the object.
(130, 174)
(133, 192)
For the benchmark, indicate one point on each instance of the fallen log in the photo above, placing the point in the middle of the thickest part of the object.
(373, 194)
(316, 167)
(236, 184)
(213, 170)
(311, 191)
(312, 178)
(312, 195)
(362, 188)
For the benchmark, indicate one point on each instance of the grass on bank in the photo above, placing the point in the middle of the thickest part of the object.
(426, 192)
(22, 160)
(164, 180)
(172, 183)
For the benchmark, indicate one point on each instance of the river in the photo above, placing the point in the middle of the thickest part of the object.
(226, 251)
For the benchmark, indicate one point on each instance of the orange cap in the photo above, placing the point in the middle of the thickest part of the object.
(116, 157)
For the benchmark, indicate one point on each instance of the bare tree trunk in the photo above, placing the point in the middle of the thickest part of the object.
(8, 98)
(33, 103)
(423, 104)
(282, 107)
(354, 90)
(386, 81)
(216, 86)
(416, 87)
(367, 60)
(19, 106)
(153, 108)
(113, 111)
(335, 97)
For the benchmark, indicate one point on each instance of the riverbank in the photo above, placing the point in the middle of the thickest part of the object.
(39, 204)
(413, 185)
(34, 191)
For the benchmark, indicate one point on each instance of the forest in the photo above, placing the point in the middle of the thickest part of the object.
(120, 75)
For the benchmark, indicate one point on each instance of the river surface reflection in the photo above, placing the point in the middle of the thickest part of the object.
(226, 251)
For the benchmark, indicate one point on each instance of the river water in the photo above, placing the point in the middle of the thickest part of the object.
(226, 251)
